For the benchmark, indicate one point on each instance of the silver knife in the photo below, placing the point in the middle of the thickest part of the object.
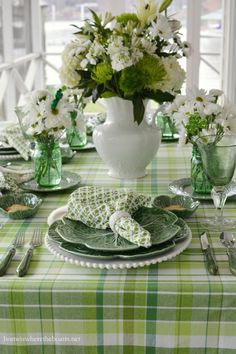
(209, 256)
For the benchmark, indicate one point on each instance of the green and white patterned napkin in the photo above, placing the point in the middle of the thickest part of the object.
(7, 184)
(12, 136)
(102, 208)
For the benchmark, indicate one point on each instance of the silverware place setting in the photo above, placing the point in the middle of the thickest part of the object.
(227, 239)
(18, 242)
(11, 251)
(209, 255)
(35, 241)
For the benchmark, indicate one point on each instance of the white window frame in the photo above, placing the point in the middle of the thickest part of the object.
(228, 76)
(10, 78)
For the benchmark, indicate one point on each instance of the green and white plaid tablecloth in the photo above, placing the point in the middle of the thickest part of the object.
(171, 307)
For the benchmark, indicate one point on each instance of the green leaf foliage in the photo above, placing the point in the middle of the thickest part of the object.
(96, 19)
(97, 92)
(159, 96)
(138, 109)
(108, 94)
(164, 5)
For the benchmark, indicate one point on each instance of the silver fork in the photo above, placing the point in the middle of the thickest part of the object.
(36, 241)
(6, 260)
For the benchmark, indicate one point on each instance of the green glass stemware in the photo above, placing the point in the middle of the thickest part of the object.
(219, 162)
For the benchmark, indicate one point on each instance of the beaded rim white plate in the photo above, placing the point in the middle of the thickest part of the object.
(54, 248)
(11, 157)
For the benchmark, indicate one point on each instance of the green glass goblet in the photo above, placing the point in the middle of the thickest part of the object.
(219, 162)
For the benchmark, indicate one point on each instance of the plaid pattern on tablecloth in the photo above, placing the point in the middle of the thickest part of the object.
(172, 307)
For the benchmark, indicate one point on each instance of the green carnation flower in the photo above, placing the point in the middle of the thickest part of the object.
(131, 81)
(126, 17)
(147, 72)
(102, 73)
(152, 69)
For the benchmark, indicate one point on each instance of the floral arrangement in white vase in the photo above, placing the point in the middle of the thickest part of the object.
(133, 56)
(199, 113)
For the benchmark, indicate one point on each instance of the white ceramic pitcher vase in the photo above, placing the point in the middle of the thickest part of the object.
(126, 147)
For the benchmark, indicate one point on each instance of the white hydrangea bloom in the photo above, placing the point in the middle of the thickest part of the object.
(119, 54)
(74, 49)
(121, 60)
(69, 76)
(174, 78)
(115, 45)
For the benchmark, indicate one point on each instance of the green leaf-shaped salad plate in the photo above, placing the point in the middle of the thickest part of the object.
(75, 242)
(160, 224)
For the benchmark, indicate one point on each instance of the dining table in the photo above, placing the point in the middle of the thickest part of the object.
(165, 307)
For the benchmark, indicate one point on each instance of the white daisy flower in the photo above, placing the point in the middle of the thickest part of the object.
(175, 105)
(212, 108)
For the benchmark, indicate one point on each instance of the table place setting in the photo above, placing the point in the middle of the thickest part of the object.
(96, 229)
(130, 248)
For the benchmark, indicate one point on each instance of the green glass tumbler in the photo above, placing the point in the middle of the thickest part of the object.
(219, 162)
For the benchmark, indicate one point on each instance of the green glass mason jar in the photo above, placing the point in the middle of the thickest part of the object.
(199, 180)
(47, 163)
(167, 126)
(76, 134)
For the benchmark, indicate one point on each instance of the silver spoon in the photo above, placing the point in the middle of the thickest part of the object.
(227, 239)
